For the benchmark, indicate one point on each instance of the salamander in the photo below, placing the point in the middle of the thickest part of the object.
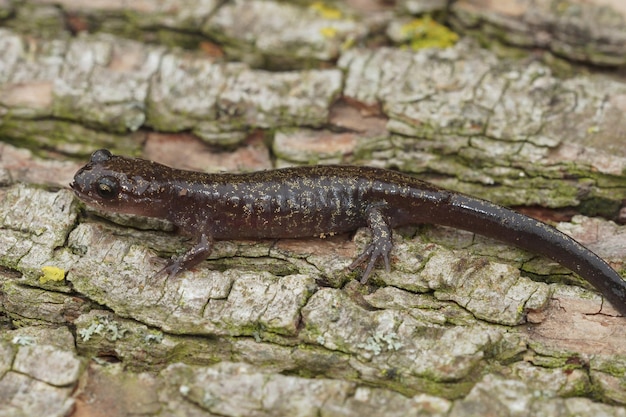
(316, 201)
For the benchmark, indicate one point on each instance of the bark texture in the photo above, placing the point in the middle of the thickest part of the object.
(519, 102)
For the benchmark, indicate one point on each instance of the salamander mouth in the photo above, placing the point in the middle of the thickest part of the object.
(76, 189)
(82, 195)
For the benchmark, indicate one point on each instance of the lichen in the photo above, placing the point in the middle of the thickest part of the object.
(23, 341)
(52, 273)
(427, 33)
(380, 342)
(325, 11)
(105, 328)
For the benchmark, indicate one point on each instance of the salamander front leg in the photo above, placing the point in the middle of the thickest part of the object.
(381, 244)
(189, 259)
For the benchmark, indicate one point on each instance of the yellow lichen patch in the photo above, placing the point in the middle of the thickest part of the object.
(325, 11)
(427, 33)
(51, 273)
(328, 32)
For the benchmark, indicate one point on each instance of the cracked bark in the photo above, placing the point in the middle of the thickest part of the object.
(460, 324)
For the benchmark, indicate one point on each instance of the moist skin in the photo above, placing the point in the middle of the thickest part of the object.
(318, 201)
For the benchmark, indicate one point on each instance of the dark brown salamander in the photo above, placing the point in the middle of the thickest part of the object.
(318, 201)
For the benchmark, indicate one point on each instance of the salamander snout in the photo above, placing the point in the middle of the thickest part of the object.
(87, 176)
(119, 184)
(94, 187)
(100, 181)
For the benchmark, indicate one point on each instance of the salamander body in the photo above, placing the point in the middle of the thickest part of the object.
(317, 201)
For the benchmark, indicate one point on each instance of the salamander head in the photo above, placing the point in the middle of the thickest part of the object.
(122, 185)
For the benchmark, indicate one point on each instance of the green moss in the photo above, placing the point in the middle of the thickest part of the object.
(448, 390)
(200, 350)
(174, 39)
(8, 261)
(612, 365)
(44, 21)
(43, 134)
(333, 365)
(548, 357)
(600, 206)
(581, 388)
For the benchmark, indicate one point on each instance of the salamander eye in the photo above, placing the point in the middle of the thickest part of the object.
(107, 188)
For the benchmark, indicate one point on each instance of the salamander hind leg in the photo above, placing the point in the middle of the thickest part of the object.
(381, 244)
(189, 259)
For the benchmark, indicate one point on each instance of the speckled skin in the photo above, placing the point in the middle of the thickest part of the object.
(318, 201)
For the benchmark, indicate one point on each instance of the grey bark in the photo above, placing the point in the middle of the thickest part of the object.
(461, 325)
